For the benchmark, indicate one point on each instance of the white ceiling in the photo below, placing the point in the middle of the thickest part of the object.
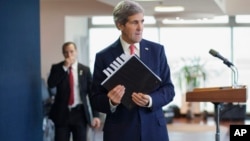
(193, 8)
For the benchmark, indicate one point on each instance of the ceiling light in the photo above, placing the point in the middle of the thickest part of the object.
(169, 8)
(149, 0)
(218, 19)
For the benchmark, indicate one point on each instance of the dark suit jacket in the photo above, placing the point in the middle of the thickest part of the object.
(138, 124)
(59, 78)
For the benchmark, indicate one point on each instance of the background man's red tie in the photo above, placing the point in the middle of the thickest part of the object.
(71, 85)
(132, 49)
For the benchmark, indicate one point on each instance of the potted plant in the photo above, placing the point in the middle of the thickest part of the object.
(191, 74)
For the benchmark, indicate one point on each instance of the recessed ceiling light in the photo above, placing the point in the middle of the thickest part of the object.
(169, 9)
(149, 0)
(218, 20)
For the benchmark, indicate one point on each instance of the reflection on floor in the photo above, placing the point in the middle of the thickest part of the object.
(182, 129)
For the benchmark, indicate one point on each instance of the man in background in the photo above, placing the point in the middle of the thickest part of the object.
(71, 112)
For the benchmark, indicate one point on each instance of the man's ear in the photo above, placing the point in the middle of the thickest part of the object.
(119, 26)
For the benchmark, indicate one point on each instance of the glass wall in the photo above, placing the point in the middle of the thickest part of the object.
(241, 56)
(190, 43)
(184, 43)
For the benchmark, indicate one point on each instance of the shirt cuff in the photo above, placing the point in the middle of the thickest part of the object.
(112, 107)
(149, 102)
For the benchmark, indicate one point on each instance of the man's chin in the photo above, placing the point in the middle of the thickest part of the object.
(137, 40)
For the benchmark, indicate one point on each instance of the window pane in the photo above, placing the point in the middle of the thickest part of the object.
(186, 43)
(100, 38)
(241, 55)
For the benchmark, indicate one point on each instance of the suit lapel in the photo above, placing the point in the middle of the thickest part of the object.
(117, 49)
(79, 75)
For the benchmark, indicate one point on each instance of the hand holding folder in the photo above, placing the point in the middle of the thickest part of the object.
(131, 72)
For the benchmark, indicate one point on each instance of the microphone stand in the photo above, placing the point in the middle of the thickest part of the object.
(235, 76)
(235, 73)
(217, 120)
(218, 104)
(234, 86)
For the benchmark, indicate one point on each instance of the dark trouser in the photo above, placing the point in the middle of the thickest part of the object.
(76, 125)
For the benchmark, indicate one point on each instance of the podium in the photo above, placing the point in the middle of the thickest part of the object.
(218, 95)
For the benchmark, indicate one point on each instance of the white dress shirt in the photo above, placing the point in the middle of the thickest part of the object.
(126, 50)
(77, 99)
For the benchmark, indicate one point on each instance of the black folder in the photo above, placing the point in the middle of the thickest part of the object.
(134, 75)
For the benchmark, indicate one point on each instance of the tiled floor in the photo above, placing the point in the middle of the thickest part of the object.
(189, 130)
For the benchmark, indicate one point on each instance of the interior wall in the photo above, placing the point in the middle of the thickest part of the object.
(52, 26)
(52, 36)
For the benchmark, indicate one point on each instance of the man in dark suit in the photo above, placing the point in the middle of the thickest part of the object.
(71, 116)
(145, 122)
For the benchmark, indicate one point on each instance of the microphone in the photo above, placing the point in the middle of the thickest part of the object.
(216, 54)
(229, 64)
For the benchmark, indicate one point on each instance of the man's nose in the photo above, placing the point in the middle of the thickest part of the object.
(140, 26)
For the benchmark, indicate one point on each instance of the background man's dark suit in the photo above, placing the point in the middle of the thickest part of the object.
(140, 123)
(59, 78)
